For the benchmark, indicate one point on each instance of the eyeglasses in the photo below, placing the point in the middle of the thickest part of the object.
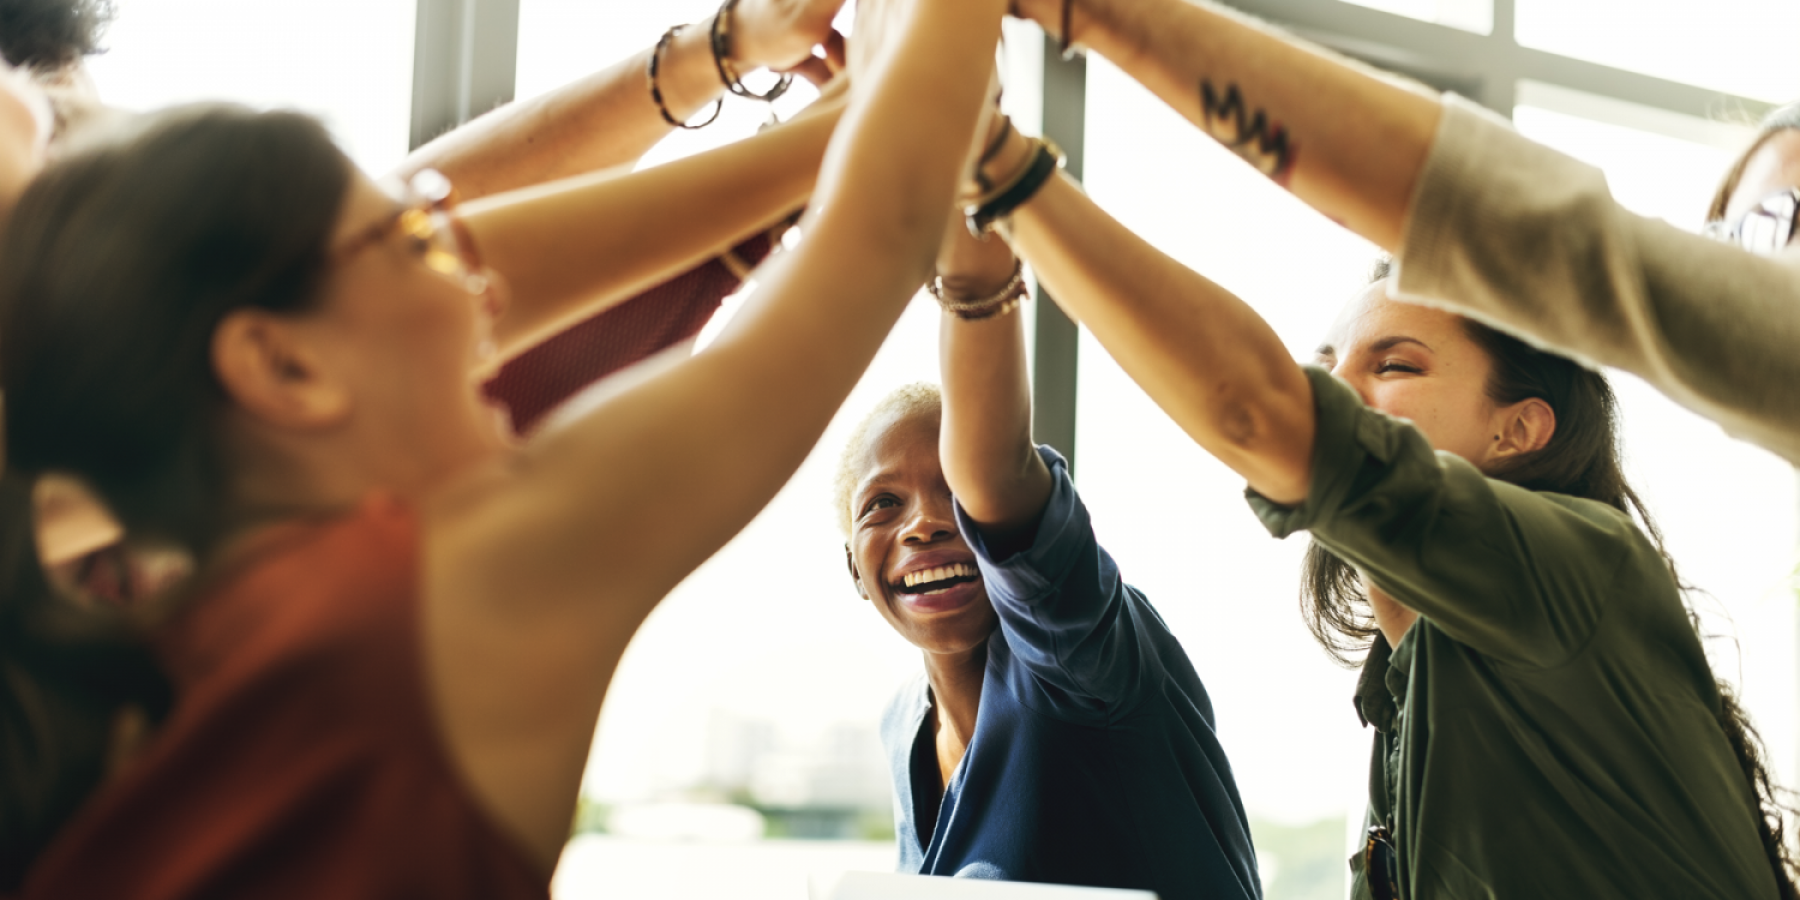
(427, 220)
(1765, 228)
(1381, 864)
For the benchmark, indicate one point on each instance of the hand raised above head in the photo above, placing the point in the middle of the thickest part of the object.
(781, 34)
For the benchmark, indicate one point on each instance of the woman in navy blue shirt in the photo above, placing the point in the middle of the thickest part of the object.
(1058, 733)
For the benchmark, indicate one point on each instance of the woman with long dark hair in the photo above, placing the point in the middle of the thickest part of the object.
(382, 678)
(1548, 722)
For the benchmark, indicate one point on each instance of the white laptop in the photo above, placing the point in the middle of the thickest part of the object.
(884, 886)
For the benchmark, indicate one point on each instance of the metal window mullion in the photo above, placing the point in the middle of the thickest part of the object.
(1056, 340)
(465, 62)
(1485, 67)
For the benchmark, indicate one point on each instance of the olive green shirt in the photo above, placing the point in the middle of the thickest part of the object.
(1547, 727)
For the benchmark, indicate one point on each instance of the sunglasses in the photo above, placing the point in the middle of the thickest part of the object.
(1381, 864)
(425, 218)
(1765, 228)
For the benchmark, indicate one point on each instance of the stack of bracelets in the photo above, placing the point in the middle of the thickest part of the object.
(728, 74)
(999, 198)
(996, 201)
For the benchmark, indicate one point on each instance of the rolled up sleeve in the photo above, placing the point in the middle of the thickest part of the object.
(1067, 614)
(1518, 575)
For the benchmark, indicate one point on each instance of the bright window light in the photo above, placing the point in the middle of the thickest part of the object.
(1745, 47)
(347, 61)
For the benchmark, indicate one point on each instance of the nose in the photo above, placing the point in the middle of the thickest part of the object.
(930, 523)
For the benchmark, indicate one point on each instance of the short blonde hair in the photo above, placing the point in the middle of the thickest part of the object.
(904, 402)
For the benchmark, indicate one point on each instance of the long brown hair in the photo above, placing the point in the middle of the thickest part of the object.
(1582, 459)
(119, 264)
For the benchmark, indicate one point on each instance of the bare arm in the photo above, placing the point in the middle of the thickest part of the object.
(572, 248)
(989, 459)
(537, 575)
(1201, 353)
(608, 119)
(1346, 141)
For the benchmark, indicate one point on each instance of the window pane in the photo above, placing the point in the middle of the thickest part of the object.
(1468, 15)
(1175, 518)
(1741, 46)
(347, 61)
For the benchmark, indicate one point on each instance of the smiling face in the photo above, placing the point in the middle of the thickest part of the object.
(402, 344)
(905, 552)
(1420, 364)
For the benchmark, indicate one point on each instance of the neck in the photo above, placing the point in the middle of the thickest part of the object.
(956, 687)
(1391, 617)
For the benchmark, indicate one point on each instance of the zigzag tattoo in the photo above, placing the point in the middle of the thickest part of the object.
(1255, 139)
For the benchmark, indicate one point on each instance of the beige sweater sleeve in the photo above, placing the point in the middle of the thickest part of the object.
(1527, 239)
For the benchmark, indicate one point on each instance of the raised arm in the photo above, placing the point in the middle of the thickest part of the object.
(609, 118)
(537, 575)
(1343, 139)
(1464, 201)
(572, 248)
(985, 443)
(1201, 353)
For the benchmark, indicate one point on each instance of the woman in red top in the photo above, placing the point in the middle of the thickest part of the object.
(386, 673)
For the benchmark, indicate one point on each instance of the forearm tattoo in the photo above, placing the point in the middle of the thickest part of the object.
(1258, 141)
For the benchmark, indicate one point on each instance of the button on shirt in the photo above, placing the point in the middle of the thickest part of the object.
(1094, 759)
(1547, 728)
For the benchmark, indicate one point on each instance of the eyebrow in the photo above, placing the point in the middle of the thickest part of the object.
(1389, 343)
(875, 481)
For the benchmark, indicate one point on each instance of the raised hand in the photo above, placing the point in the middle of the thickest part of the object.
(781, 35)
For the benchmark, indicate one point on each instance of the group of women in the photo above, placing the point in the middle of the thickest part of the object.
(376, 668)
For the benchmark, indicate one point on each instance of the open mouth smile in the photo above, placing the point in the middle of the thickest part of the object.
(939, 580)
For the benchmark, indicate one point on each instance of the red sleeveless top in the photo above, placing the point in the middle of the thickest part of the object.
(302, 758)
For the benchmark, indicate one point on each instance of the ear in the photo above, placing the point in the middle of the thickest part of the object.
(268, 368)
(850, 562)
(1524, 427)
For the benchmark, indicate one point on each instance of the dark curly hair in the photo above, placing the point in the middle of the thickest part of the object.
(47, 35)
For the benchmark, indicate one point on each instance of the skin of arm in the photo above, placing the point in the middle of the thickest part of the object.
(985, 442)
(538, 571)
(608, 119)
(575, 247)
(1201, 353)
(1351, 144)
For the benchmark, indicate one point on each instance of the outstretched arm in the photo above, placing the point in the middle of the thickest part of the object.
(572, 248)
(1201, 353)
(1344, 139)
(1462, 200)
(537, 574)
(609, 119)
(985, 443)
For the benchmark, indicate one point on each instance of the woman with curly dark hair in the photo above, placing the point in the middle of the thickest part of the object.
(50, 35)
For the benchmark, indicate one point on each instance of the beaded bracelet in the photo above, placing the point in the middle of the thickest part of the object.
(721, 50)
(656, 94)
(998, 303)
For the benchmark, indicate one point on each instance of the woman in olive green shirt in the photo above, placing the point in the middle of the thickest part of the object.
(1548, 725)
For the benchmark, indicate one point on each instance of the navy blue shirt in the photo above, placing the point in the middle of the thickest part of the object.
(1094, 760)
